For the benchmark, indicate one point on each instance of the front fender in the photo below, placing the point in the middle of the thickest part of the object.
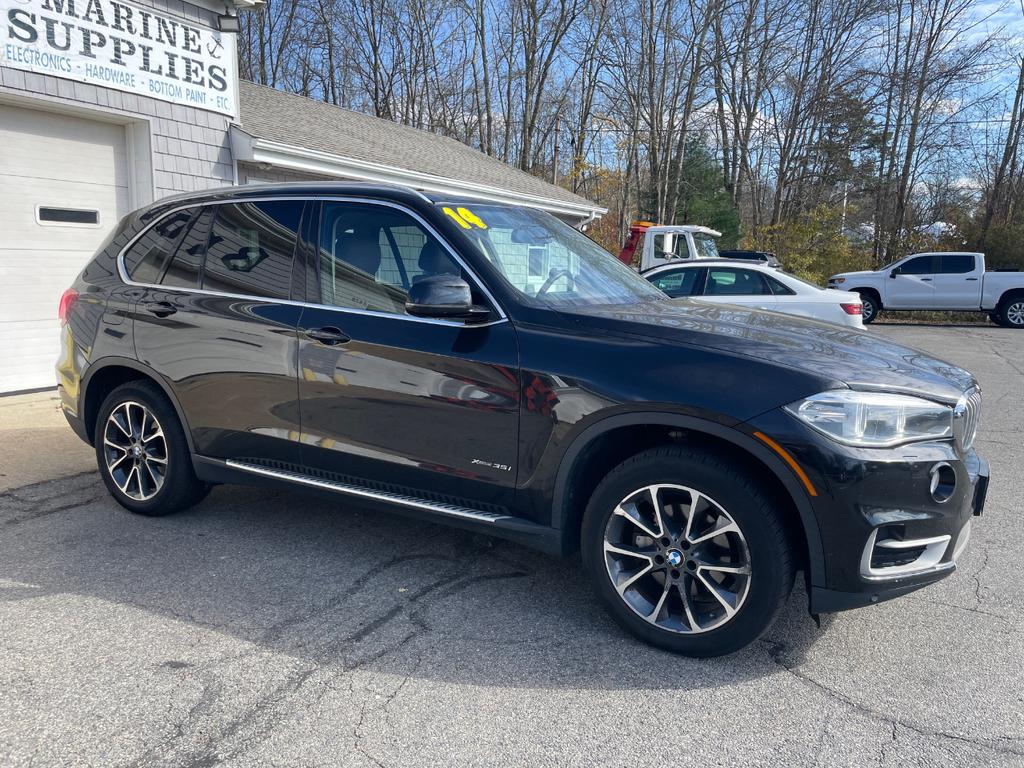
(561, 512)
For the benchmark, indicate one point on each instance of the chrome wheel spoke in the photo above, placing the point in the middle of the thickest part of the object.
(721, 595)
(738, 570)
(695, 499)
(635, 519)
(152, 475)
(684, 595)
(658, 606)
(127, 480)
(632, 579)
(658, 517)
(116, 419)
(122, 448)
(722, 525)
(628, 552)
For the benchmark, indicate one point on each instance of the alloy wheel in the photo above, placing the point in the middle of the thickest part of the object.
(135, 451)
(867, 310)
(677, 558)
(1015, 313)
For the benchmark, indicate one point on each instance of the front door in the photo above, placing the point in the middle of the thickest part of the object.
(911, 285)
(410, 406)
(216, 322)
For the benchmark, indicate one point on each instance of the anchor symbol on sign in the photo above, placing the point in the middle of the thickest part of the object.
(215, 48)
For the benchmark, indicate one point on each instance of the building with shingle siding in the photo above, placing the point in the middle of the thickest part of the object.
(108, 105)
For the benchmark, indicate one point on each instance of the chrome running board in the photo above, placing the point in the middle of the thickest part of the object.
(449, 510)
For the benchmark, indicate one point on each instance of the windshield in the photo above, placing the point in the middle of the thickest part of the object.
(705, 246)
(548, 262)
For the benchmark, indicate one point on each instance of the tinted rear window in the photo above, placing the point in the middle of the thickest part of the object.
(144, 262)
(183, 269)
(251, 246)
(957, 263)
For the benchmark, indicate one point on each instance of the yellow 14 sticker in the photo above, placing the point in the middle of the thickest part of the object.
(465, 218)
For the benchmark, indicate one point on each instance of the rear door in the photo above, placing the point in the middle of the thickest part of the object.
(958, 281)
(680, 283)
(215, 322)
(911, 285)
(735, 285)
(420, 407)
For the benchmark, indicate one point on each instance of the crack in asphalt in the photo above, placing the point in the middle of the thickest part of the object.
(333, 660)
(776, 652)
(28, 508)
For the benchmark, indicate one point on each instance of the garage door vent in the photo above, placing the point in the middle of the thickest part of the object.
(49, 215)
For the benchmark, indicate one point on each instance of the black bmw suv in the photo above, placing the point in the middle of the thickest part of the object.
(488, 366)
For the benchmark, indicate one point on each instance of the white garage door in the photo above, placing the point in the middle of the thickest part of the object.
(63, 185)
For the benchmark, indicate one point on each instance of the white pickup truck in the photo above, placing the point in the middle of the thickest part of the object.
(939, 281)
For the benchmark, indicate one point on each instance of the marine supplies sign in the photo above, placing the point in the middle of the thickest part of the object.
(116, 45)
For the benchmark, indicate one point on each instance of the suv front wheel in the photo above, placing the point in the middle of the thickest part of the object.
(687, 552)
(142, 453)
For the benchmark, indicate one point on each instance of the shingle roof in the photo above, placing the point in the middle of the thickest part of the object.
(267, 113)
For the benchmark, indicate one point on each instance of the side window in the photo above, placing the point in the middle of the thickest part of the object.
(145, 261)
(680, 282)
(735, 282)
(251, 247)
(370, 255)
(778, 288)
(183, 269)
(922, 265)
(957, 263)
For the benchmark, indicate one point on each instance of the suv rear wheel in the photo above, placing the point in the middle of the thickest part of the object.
(687, 552)
(142, 453)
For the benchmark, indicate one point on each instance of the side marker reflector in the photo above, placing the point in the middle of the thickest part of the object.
(788, 458)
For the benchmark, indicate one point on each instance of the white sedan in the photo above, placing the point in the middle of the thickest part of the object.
(753, 285)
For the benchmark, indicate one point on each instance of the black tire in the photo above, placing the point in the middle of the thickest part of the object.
(771, 564)
(871, 307)
(994, 317)
(1011, 312)
(178, 487)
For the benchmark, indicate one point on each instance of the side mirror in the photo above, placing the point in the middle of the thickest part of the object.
(894, 273)
(444, 296)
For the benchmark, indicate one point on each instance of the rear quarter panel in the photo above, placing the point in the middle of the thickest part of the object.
(995, 284)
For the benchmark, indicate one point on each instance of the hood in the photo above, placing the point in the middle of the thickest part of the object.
(859, 273)
(835, 355)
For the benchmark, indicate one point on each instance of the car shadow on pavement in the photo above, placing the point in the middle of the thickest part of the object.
(335, 586)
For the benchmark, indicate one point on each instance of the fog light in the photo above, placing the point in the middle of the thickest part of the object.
(943, 482)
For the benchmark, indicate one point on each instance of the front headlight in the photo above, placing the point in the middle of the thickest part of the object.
(874, 419)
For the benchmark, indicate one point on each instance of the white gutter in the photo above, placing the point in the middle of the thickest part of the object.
(252, 149)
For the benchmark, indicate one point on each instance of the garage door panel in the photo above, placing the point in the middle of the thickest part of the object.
(19, 199)
(54, 272)
(59, 162)
(86, 151)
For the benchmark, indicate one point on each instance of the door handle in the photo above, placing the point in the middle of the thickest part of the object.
(328, 335)
(161, 308)
(926, 279)
(971, 279)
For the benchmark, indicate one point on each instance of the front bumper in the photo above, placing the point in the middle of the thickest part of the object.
(883, 532)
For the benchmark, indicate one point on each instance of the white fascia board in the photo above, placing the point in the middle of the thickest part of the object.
(255, 150)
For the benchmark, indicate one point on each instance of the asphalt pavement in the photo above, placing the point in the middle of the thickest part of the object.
(271, 628)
